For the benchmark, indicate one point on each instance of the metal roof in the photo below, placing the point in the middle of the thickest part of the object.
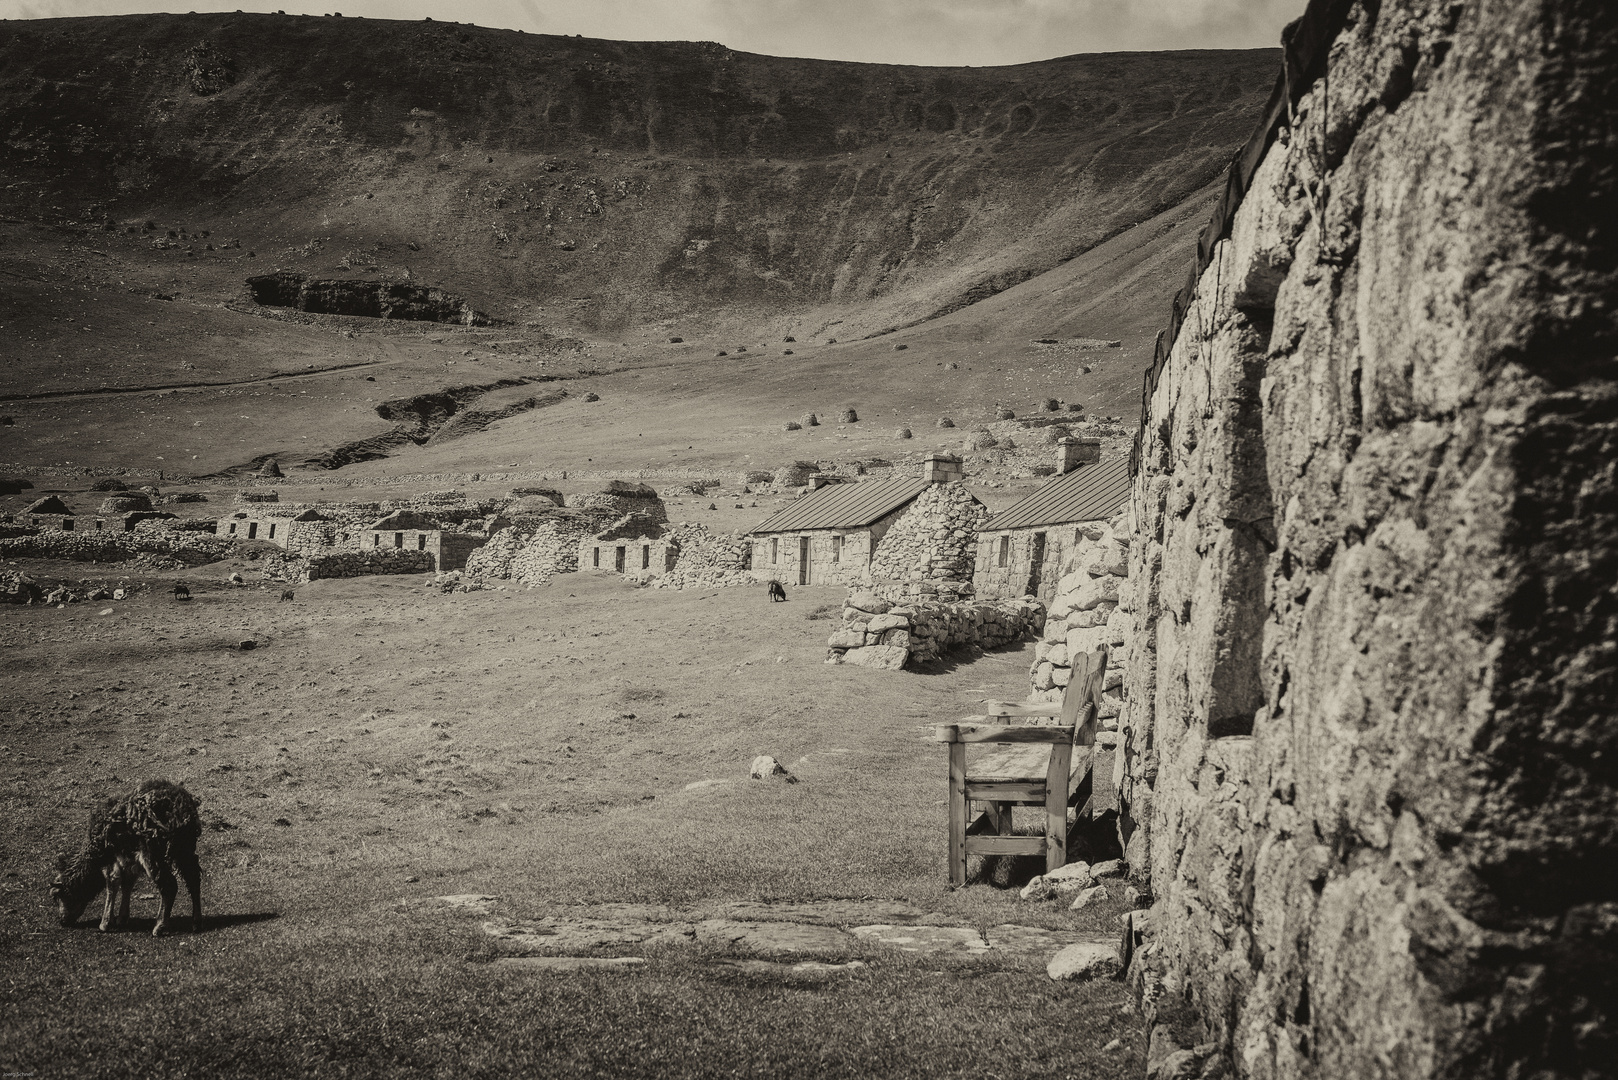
(1087, 493)
(845, 506)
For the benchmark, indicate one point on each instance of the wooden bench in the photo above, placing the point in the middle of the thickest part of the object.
(1031, 763)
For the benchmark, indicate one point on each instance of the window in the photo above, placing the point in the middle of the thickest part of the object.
(618, 560)
(1005, 551)
(233, 529)
(421, 541)
(646, 556)
(376, 539)
(596, 562)
(67, 524)
(837, 549)
(775, 550)
(272, 531)
(252, 530)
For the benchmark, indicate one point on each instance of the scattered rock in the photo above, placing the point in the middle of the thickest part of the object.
(792, 425)
(1052, 405)
(811, 420)
(721, 352)
(803, 971)
(676, 340)
(902, 433)
(1083, 961)
(765, 767)
(1039, 888)
(476, 903)
(944, 422)
(1004, 414)
(1112, 868)
(592, 396)
(1095, 894)
(789, 339)
(247, 644)
(848, 416)
(900, 348)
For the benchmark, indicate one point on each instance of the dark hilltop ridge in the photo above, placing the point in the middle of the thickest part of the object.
(660, 178)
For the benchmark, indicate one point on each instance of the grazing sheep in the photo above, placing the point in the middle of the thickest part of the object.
(288, 594)
(181, 592)
(777, 593)
(155, 828)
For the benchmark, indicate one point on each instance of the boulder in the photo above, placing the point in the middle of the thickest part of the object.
(888, 622)
(1089, 897)
(869, 602)
(765, 767)
(1083, 961)
(1112, 868)
(846, 638)
(881, 657)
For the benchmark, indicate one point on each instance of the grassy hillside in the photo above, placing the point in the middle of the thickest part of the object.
(597, 198)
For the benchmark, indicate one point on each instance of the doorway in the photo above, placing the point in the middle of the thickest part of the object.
(803, 560)
(1036, 565)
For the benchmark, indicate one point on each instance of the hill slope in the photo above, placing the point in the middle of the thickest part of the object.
(596, 198)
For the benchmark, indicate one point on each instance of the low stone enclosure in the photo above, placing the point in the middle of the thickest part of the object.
(879, 633)
(1368, 767)
(347, 564)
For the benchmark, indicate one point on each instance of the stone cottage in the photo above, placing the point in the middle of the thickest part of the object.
(831, 534)
(408, 530)
(1022, 548)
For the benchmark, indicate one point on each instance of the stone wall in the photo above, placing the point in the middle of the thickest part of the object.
(1084, 616)
(1369, 710)
(345, 564)
(836, 556)
(162, 549)
(928, 553)
(875, 632)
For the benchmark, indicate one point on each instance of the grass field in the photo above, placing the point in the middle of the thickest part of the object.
(387, 744)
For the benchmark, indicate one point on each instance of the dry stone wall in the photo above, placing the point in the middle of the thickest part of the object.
(1369, 735)
(1085, 616)
(928, 554)
(345, 564)
(875, 632)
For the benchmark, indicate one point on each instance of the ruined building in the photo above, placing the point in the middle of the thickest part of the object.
(1368, 748)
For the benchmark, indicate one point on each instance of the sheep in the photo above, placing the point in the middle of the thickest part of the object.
(777, 593)
(155, 828)
(287, 594)
(181, 592)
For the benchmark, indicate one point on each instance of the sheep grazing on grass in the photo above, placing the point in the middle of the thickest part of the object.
(154, 829)
(287, 594)
(181, 592)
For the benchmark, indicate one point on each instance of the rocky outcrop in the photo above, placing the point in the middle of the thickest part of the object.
(1369, 729)
(371, 299)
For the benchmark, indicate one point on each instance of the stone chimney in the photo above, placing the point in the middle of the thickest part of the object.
(1071, 453)
(942, 469)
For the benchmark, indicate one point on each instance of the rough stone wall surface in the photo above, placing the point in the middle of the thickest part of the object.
(532, 556)
(1369, 734)
(928, 554)
(1085, 616)
(876, 632)
(362, 564)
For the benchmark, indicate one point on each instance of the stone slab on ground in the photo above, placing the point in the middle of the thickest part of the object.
(553, 935)
(774, 938)
(823, 912)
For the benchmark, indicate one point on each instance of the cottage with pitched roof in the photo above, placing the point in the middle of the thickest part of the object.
(831, 534)
(1020, 549)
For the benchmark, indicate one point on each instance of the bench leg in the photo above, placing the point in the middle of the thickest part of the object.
(958, 809)
(1056, 779)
